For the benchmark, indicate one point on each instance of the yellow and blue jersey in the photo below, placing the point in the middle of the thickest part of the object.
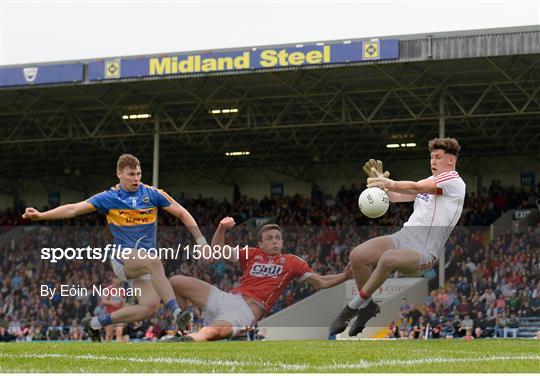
(132, 216)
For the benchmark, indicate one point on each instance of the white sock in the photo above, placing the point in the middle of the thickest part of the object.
(358, 302)
(95, 324)
(176, 312)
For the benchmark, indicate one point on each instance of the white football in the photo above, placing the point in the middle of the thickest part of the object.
(373, 202)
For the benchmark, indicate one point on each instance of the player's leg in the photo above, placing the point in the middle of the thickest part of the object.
(148, 304)
(363, 259)
(219, 329)
(192, 289)
(404, 261)
(146, 307)
(141, 264)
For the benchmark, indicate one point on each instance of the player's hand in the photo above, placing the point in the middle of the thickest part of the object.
(374, 168)
(227, 223)
(32, 214)
(381, 182)
(348, 271)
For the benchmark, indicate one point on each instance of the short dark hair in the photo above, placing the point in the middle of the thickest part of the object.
(268, 228)
(127, 160)
(449, 145)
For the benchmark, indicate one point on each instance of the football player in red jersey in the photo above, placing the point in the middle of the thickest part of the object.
(266, 273)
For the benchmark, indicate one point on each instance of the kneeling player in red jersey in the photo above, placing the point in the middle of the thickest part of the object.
(266, 273)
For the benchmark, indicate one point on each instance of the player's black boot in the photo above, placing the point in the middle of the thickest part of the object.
(342, 320)
(94, 334)
(363, 316)
(182, 320)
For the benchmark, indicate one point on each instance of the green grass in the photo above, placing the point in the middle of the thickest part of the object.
(279, 356)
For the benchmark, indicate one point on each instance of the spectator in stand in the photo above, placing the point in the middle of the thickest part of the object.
(404, 309)
(55, 332)
(512, 326)
(75, 333)
(414, 314)
(448, 330)
(500, 325)
(466, 325)
(464, 307)
(480, 323)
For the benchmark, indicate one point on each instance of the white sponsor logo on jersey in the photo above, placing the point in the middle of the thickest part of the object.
(266, 270)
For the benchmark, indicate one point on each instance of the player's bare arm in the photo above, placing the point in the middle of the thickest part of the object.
(326, 281)
(61, 212)
(218, 240)
(404, 187)
(187, 219)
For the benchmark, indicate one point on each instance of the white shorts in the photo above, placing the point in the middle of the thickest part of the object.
(232, 308)
(118, 268)
(428, 256)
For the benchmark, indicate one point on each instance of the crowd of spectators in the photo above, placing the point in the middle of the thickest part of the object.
(489, 286)
(320, 229)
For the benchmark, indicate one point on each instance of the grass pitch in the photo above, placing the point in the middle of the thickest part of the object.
(284, 356)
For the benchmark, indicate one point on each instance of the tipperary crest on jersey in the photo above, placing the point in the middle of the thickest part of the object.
(146, 199)
(266, 270)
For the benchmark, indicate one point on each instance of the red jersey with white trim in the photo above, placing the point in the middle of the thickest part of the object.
(265, 276)
(119, 298)
(435, 215)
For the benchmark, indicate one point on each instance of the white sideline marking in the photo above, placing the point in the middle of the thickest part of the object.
(296, 367)
(410, 362)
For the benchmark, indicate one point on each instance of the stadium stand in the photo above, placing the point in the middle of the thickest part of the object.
(492, 289)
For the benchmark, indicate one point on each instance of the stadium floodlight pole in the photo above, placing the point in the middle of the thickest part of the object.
(442, 125)
(155, 165)
(442, 129)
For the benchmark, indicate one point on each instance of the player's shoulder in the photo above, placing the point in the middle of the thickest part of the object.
(109, 192)
(293, 258)
(152, 188)
(156, 190)
(446, 176)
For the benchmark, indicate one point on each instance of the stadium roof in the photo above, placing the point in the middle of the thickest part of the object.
(485, 84)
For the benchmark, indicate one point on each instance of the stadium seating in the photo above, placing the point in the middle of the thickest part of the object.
(318, 229)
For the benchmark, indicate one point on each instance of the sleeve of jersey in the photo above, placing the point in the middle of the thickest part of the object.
(303, 271)
(99, 201)
(446, 183)
(161, 198)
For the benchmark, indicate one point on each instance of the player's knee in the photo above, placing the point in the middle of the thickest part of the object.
(358, 256)
(153, 263)
(175, 281)
(387, 261)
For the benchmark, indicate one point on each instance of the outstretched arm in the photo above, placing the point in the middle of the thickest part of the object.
(404, 187)
(187, 219)
(61, 212)
(326, 281)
